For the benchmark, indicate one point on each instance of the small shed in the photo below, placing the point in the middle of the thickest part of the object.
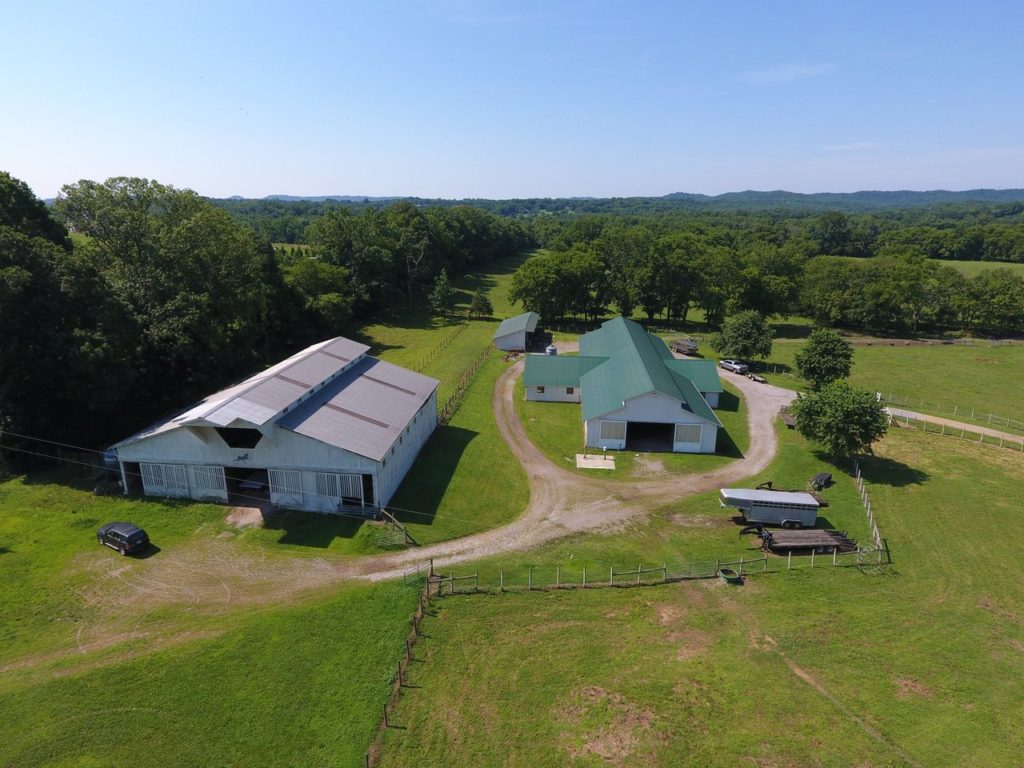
(514, 334)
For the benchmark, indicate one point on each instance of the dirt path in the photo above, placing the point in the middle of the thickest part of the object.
(966, 426)
(563, 503)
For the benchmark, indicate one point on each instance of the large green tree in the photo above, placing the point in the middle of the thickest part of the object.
(841, 419)
(826, 357)
(745, 336)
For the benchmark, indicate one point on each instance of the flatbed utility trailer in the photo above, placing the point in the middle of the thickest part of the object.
(820, 541)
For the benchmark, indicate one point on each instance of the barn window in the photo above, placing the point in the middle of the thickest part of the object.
(540, 390)
(687, 433)
(570, 390)
(613, 430)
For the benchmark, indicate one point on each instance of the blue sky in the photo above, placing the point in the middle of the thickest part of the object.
(514, 99)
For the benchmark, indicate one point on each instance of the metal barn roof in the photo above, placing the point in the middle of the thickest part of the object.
(637, 365)
(777, 497)
(703, 373)
(364, 410)
(557, 371)
(524, 322)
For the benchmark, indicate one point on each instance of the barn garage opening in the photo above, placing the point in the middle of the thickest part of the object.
(247, 486)
(649, 436)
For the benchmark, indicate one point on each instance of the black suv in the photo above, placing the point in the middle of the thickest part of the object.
(124, 537)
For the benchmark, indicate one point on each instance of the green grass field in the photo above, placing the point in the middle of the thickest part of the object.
(923, 665)
(108, 661)
(982, 377)
(299, 686)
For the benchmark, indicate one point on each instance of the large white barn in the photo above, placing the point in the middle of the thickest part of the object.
(634, 393)
(329, 427)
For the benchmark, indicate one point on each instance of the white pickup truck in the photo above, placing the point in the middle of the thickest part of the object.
(733, 365)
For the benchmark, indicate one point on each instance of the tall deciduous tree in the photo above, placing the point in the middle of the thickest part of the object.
(826, 358)
(841, 419)
(744, 335)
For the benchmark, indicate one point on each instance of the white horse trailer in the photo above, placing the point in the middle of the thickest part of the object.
(789, 509)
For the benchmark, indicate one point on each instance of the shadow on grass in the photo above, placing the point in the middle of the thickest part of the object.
(148, 552)
(419, 496)
(726, 446)
(791, 330)
(5, 551)
(309, 529)
(772, 367)
(884, 471)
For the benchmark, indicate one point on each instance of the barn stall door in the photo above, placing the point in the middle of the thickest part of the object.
(208, 483)
(285, 487)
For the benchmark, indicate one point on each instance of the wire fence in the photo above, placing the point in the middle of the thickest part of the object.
(398, 679)
(953, 410)
(451, 405)
(569, 577)
(961, 433)
(858, 479)
(438, 348)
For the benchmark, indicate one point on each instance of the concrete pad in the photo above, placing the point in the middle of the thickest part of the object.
(594, 461)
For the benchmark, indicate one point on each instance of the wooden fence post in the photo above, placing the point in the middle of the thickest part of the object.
(501, 581)
(611, 575)
(558, 575)
(584, 576)
(529, 582)
(639, 571)
(789, 560)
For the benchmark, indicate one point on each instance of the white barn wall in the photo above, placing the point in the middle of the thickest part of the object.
(511, 342)
(655, 408)
(711, 398)
(399, 463)
(553, 395)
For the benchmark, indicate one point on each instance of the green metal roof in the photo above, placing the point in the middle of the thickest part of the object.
(524, 322)
(703, 373)
(636, 366)
(556, 371)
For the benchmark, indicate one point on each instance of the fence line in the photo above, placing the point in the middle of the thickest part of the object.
(559, 577)
(960, 433)
(438, 348)
(372, 756)
(452, 404)
(962, 413)
(858, 479)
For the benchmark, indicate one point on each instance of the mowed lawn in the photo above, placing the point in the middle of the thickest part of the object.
(922, 665)
(109, 661)
(984, 377)
(301, 685)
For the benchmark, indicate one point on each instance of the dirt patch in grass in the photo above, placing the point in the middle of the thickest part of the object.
(990, 605)
(699, 521)
(690, 643)
(647, 466)
(626, 730)
(906, 687)
(245, 517)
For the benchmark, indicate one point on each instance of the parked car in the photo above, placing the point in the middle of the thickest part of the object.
(733, 365)
(124, 537)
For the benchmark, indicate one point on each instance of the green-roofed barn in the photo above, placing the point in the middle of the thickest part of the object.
(513, 335)
(635, 394)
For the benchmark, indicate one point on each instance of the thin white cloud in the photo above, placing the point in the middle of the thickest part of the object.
(788, 73)
(857, 146)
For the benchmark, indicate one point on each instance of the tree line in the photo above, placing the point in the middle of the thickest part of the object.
(157, 296)
(665, 268)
